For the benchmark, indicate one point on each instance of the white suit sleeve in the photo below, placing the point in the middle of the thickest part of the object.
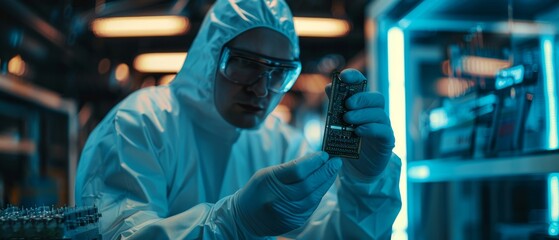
(356, 209)
(130, 189)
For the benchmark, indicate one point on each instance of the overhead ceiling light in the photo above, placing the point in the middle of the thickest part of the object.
(143, 26)
(160, 62)
(320, 27)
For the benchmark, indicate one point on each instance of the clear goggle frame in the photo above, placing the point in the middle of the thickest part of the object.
(246, 68)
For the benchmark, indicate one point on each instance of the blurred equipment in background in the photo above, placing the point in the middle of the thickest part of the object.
(38, 136)
(483, 114)
(477, 82)
(515, 96)
(78, 223)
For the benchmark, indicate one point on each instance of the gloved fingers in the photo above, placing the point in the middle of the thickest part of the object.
(311, 201)
(367, 115)
(365, 100)
(299, 169)
(322, 189)
(382, 133)
(352, 76)
(310, 185)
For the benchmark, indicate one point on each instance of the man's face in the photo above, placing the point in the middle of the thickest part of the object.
(246, 106)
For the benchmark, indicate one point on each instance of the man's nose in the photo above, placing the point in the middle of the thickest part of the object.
(260, 87)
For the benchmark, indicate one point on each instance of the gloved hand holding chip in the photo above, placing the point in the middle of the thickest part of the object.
(366, 111)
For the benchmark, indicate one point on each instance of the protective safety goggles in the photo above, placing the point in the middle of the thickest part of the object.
(246, 68)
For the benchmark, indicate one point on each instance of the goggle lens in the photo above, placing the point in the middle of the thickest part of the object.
(241, 68)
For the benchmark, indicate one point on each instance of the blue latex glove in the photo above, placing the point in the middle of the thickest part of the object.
(281, 198)
(366, 110)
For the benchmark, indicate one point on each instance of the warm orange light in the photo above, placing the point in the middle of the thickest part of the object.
(16, 66)
(453, 87)
(160, 62)
(483, 66)
(140, 26)
(166, 79)
(320, 27)
(122, 72)
(311, 83)
(371, 28)
(12, 145)
(282, 112)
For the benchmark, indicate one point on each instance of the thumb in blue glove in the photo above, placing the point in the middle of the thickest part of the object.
(281, 198)
(366, 111)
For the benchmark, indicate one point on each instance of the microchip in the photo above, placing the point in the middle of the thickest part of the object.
(339, 136)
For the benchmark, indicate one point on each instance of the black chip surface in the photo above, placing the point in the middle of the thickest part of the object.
(339, 137)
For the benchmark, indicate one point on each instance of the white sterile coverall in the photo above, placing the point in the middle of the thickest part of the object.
(163, 164)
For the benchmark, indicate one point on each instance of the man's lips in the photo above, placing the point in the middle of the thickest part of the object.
(251, 107)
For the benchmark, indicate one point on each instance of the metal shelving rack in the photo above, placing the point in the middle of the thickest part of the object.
(45, 112)
(440, 170)
(25, 100)
(463, 197)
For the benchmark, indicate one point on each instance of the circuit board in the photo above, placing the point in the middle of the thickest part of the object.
(339, 137)
(49, 223)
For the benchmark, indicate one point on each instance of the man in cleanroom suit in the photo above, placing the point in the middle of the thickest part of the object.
(201, 158)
